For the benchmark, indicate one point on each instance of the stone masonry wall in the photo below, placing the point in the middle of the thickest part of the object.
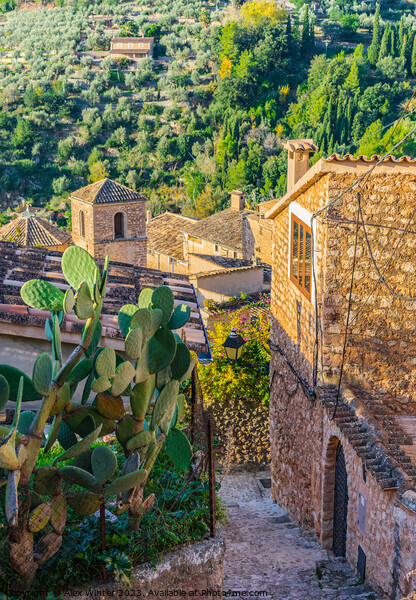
(303, 449)
(99, 231)
(196, 571)
(382, 347)
(258, 238)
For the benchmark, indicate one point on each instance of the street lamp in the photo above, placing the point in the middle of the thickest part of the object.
(233, 345)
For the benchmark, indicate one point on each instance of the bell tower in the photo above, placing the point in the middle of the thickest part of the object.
(109, 219)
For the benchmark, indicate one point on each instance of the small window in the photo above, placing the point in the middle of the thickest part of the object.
(81, 223)
(216, 248)
(301, 256)
(119, 226)
(234, 254)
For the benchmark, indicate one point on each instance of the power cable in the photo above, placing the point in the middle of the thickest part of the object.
(344, 348)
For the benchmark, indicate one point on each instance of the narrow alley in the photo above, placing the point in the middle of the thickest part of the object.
(268, 554)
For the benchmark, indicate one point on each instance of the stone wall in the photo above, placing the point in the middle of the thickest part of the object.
(241, 425)
(99, 231)
(194, 571)
(205, 247)
(258, 238)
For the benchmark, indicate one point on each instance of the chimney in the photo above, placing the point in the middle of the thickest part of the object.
(237, 200)
(148, 216)
(298, 159)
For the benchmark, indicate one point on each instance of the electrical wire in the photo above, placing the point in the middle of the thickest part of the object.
(344, 348)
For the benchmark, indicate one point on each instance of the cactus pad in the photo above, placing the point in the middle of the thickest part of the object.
(84, 307)
(109, 406)
(47, 481)
(42, 295)
(134, 342)
(105, 364)
(124, 374)
(180, 403)
(162, 348)
(145, 298)
(13, 376)
(80, 371)
(104, 464)
(42, 373)
(80, 477)
(141, 440)
(164, 407)
(101, 385)
(124, 317)
(84, 503)
(180, 316)
(80, 447)
(25, 421)
(189, 371)
(126, 482)
(127, 427)
(69, 301)
(142, 368)
(66, 437)
(179, 449)
(181, 362)
(142, 394)
(163, 299)
(4, 392)
(58, 513)
(95, 339)
(39, 517)
(79, 266)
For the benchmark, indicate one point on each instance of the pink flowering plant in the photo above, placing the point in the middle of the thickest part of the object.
(247, 377)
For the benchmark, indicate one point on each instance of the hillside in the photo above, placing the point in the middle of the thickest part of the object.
(209, 111)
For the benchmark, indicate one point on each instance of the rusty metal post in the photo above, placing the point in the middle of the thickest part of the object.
(193, 406)
(211, 474)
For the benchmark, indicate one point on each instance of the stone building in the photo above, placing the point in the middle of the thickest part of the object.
(134, 48)
(236, 232)
(165, 242)
(109, 219)
(343, 461)
(29, 230)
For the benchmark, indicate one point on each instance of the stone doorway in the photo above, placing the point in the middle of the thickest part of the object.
(340, 504)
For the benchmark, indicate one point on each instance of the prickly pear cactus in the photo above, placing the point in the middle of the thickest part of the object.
(136, 397)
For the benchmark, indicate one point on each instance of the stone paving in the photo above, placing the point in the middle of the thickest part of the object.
(267, 552)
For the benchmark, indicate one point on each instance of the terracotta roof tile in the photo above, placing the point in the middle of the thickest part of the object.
(165, 234)
(19, 264)
(224, 228)
(33, 231)
(106, 191)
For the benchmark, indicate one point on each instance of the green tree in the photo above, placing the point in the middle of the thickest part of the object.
(385, 46)
(129, 29)
(374, 49)
(413, 62)
(353, 80)
(305, 43)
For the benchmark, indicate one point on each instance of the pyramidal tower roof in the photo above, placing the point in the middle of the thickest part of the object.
(29, 230)
(107, 191)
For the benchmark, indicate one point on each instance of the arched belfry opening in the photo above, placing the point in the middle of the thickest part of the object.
(119, 226)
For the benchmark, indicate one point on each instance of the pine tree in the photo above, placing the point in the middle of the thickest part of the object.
(305, 43)
(374, 49)
(312, 35)
(349, 118)
(401, 34)
(394, 40)
(353, 79)
(408, 47)
(339, 117)
(413, 63)
(385, 46)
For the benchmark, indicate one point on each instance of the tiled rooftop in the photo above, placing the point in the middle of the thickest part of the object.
(236, 263)
(164, 234)
(33, 231)
(107, 191)
(224, 228)
(19, 264)
(377, 436)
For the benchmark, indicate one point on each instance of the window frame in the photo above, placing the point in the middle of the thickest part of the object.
(81, 223)
(124, 225)
(301, 246)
